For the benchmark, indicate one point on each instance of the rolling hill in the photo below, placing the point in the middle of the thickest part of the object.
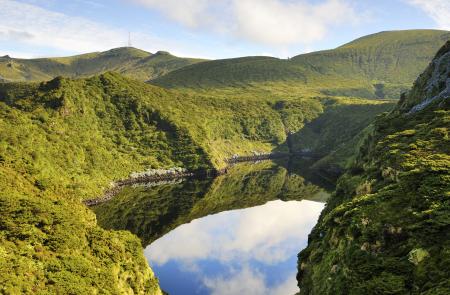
(375, 66)
(380, 65)
(131, 62)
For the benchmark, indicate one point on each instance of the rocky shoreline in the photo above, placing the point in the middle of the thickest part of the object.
(256, 157)
(176, 173)
(149, 176)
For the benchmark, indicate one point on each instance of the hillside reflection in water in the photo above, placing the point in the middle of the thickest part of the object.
(236, 234)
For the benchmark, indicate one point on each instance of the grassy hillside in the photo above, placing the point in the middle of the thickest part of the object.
(334, 136)
(108, 124)
(375, 66)
(388, 59)
(131, 62)
(65, 140)
(113, 125)
(385, 230)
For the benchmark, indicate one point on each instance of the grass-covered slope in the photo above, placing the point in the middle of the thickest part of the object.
(386, 228)
(375, 66)
(334, 135)
(65, 140)
(131, 62)
(74, 136)
(390, 58)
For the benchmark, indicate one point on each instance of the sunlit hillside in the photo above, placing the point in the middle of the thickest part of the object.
(376, 66)
(129, 61)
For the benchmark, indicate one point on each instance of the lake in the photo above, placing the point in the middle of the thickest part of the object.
(239, 233)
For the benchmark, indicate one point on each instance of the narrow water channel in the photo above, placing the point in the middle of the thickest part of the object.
(239, 233)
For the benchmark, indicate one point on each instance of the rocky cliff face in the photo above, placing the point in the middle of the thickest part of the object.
(386, 229)
(433, 86)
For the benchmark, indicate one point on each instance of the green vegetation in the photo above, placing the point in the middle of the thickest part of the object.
(375, 66)
(151, 212)
(381, 65)
(385, 230)
(334, 135)
(64, 141)
(73, 137)
(131, 62)
(53, 246)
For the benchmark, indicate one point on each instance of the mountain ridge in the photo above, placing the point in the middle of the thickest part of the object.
(129, 61)
(374, 66)
(380, 65)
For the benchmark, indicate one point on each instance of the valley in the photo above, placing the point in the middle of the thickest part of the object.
(72, 126)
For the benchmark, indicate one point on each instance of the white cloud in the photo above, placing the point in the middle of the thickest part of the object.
(283, 23)
(188, 12)
(438, 10)
(56, 30)
(272, 22)
(287, 287)
(244, 282)
(19, 54)
(37, 27)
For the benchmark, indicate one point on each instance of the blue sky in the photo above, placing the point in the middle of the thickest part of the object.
(205, 28)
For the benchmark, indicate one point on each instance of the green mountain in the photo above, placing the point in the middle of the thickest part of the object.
(376, 66)
(64, 140)
(385, 230)
(131, 62)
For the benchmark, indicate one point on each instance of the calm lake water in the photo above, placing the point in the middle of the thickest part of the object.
(239, 233)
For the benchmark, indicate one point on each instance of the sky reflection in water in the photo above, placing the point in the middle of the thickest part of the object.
(245, 251)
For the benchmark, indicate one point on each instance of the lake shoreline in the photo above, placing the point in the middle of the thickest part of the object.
(169, 174)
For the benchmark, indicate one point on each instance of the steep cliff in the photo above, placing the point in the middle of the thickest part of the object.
(386, 229)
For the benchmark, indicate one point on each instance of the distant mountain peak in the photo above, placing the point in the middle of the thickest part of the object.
(161, 52)
(128, 51)
(396, 36)
(129, 61)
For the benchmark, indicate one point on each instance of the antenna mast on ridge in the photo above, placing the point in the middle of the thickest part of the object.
(129, 39)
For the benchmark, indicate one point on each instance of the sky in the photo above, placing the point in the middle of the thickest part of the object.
(205, 28)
